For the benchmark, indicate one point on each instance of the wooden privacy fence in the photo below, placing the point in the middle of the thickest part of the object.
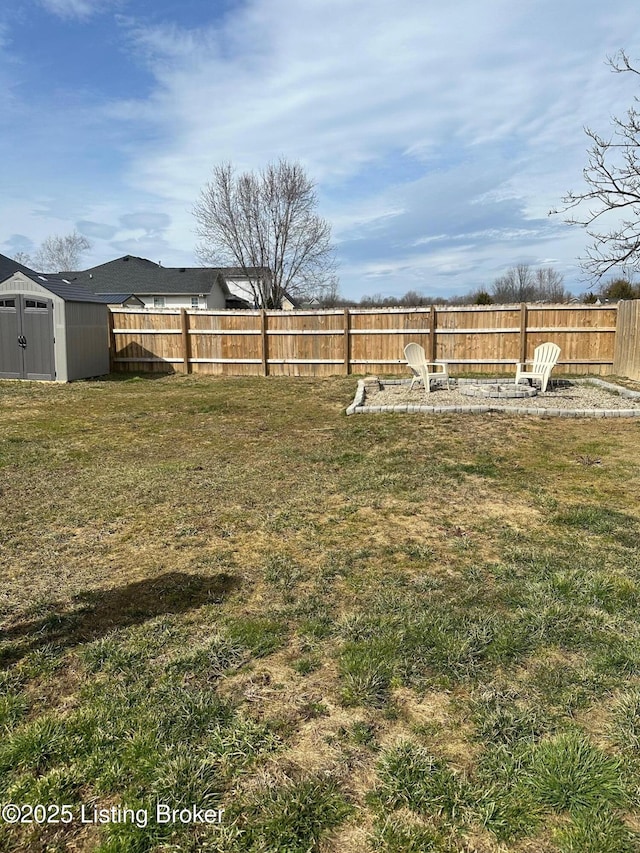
(626, 360)
(322, 343)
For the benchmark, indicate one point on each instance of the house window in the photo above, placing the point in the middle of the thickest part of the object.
(158, 301)
(195, 302)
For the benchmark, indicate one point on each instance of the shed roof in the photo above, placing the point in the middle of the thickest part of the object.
(66, 290)
(55, 284)
(8, 266)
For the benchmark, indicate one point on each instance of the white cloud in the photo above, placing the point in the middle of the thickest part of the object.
(274, 79)
(440, 134)
(149, 222)
(81, 9)
(338, 103)
(493, 234)
(17, 243)
(99, 230)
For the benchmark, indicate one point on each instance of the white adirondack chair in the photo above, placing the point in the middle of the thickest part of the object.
(545, 358)
(424, 371)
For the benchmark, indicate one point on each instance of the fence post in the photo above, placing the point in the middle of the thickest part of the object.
(432, 333)
(263, 335)
(112, 341)
(347, 342)
(523, 332)
(186, 349)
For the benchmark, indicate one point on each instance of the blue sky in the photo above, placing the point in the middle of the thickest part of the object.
(439, 134)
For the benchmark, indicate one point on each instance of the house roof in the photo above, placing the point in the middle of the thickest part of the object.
(292, 299)
(148, 278)
(66, 290)
(117, 298)
(237, 302)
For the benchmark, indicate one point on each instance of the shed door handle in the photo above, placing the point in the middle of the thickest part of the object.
(22, 341)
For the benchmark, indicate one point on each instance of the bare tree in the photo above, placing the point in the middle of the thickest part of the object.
(609, 209)
(23, 258)
(266, 225)
(413, 299)
(60, 253)
(516, 285)
(549, 284)
(330, 297)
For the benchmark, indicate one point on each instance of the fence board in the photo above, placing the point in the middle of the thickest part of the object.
(323, 343)
(627, 350)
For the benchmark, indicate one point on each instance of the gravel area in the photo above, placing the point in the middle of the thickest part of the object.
(576, 397)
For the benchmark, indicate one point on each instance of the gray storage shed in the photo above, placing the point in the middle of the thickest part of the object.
(51, 329)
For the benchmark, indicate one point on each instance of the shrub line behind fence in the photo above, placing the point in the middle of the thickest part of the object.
(321, 343)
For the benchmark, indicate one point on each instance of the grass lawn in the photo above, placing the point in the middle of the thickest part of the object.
(379, 633)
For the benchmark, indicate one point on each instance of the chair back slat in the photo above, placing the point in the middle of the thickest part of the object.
(415, 355)
(545, 355)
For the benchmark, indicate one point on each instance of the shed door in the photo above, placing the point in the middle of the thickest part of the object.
(10, 353)
(26, 347)
(37, 332)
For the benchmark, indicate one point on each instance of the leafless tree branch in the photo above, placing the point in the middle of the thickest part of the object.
(60, 253)
(609, 209)
(265, 223)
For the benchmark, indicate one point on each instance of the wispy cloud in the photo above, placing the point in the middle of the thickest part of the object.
(151, 223)
(17, 243)
(487, 110)
(99, 230)
(440, 135)
(81, 9)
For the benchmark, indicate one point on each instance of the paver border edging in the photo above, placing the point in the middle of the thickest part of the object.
(358, 406)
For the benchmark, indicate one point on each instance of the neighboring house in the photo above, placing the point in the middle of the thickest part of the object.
(166, 287)
(121, 300)
(239, 285)
(289, 303)
(313, 303)
(130, 281)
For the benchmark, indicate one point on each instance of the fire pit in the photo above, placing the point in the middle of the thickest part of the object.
(500, 392)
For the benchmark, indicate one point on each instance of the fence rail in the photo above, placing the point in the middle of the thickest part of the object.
(322, 343)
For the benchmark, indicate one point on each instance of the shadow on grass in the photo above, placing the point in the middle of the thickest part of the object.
(97, 612)
(135, 375)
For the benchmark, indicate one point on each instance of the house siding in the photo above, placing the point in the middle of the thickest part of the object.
(213, 300)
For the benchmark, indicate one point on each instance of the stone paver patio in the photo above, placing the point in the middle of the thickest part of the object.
(592, 397)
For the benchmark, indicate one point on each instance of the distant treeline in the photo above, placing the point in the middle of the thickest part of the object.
(520, 283)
